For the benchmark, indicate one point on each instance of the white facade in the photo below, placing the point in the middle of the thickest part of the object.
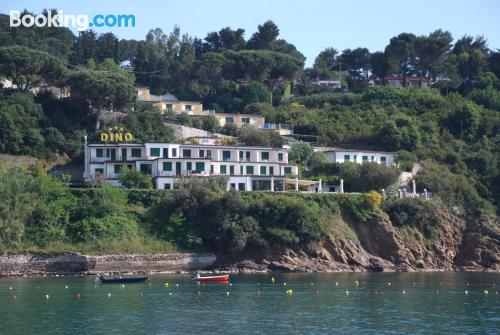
(247, 168)
(339, 155)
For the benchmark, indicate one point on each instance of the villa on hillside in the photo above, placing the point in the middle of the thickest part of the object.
(58, 92)
(341, 155)
(169, 102)
(195, 109)
(247, 168)
(397, 82)
(327, 84)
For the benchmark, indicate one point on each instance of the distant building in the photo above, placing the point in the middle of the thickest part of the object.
(169, 102)
(411, 82)
(341, 155)
(58, 92)
(328, 84)
(208, 140)
(239, 120)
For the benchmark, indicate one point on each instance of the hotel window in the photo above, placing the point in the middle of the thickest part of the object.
(189, 108)
(155, 152)
(202, 154)
(245, 120)
(145, 168)
(355, 158)
(189, 166)
(223, 169)
(226, 155)
(211, 169)
(136, 152)
(262, 170)
(167, 166)
(365, 158)
(117, 168)
(231, 170)
(200, 166)
(167, 186)
(373, 158)
(264, 156)
(249, 169)
(98, 152)
(169, 106)
(241, 186)
(280, 156)
(209, 153)
(347, 158)
(248, 156)
(271, 170)
(241, 155)
(229, 120)
(287, 170)
(383, 160)
(100, 171)
(241, 169)
(186, 153)
(174, 152)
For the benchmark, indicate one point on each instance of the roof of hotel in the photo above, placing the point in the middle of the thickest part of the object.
(329, 149)
(185, 145)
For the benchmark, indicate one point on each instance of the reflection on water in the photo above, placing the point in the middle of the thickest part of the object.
(353, 303)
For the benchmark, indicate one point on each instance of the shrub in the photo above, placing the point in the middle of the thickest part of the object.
(131, 178)
(112, 226)
(414, 212)
(373, 198)
(367, 176)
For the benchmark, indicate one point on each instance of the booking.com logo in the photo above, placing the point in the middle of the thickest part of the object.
(80, 22)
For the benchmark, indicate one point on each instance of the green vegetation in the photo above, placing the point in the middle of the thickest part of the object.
(42, 214)
(451, 130)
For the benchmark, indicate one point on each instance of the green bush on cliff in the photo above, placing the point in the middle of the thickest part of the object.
(414, 212)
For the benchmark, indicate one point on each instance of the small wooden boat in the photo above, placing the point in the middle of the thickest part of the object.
(122, 279)
(209, 279)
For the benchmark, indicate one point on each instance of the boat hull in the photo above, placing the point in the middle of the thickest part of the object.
(211, 279)
(122, 280)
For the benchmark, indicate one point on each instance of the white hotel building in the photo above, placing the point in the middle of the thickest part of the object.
(247, 168)
(341, 155)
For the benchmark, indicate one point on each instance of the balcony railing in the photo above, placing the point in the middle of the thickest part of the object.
(276, 126)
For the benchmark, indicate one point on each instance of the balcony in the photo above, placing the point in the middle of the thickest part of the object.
(183, 173)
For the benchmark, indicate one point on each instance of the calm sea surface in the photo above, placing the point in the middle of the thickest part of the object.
(320, 303)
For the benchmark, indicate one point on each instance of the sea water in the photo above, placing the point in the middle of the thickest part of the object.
(344, 303)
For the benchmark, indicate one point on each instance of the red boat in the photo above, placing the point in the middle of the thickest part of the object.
(209, 279)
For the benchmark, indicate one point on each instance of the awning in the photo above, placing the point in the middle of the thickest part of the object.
(301, 182)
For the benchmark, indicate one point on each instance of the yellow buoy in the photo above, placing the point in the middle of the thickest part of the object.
(166, 285)
(485, 292)
(289, 292)
(356, 283)
(272, 280)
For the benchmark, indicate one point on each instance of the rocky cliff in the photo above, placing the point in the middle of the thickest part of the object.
(378, 245)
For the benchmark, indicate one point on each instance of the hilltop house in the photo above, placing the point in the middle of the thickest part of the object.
(327, 84)
(169, 102)
(411, 82)
(247, 168)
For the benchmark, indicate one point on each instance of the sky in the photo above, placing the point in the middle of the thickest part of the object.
(311, 25)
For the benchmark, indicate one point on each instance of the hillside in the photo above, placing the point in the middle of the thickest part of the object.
(433, 100)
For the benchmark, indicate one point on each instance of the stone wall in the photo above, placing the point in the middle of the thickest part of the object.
(74, 263)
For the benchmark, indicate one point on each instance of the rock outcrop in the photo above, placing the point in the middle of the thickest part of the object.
(379, 246)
